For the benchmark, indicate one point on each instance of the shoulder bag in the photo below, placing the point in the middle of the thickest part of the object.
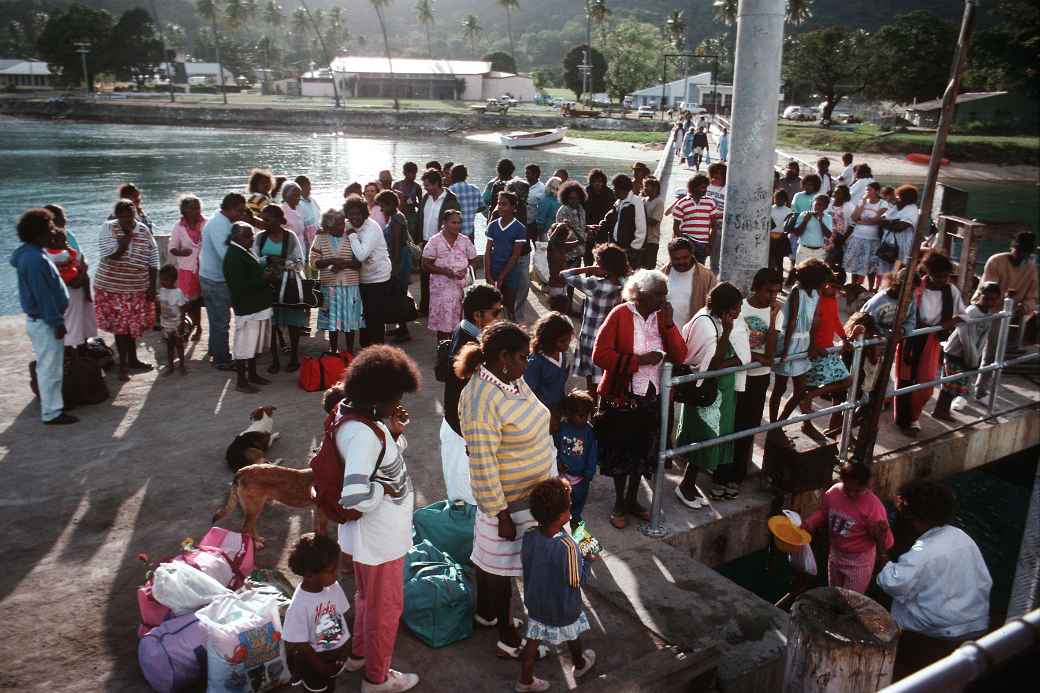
(690, 393)
(292, 290)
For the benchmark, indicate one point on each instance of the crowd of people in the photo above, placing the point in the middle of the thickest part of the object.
(512, 425)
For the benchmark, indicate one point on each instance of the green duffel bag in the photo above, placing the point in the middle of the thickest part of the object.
(448, 526)
(438, 601)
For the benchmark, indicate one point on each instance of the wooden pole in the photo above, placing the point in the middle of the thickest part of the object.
(839, 641)
(869, 429)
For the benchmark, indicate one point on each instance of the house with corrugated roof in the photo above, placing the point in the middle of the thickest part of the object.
(987, 108)
(17, 74)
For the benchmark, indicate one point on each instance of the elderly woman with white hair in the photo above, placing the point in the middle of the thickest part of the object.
(185, 242)
(292, 193)
(332, 257)
(636, 336)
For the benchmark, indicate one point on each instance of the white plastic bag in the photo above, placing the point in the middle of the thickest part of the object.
(245, 652)
(803, 561)
(184, 588)
(455, 465)
(541, 261)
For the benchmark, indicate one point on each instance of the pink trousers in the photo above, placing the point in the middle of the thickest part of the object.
(378, 604)
(850, 570)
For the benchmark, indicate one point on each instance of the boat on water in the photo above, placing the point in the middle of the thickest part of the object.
(519, 140)
(924, 159)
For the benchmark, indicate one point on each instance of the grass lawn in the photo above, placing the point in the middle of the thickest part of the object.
(621, 136)
(869, 139)
(560, 93)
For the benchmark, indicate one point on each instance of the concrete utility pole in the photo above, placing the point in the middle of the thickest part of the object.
(749, 178)
(82, 47)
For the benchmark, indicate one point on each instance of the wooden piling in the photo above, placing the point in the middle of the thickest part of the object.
(839, 641)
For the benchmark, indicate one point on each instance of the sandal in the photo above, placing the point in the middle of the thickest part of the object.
(717, 493)
(732, 491)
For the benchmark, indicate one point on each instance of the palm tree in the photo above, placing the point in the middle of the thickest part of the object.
(273, 14)
(316, 23)
(676, 29)
(424, 13)
(798, 11)
(235, 12)
(599, 13)
(209, 9)
(380, 7)
(508, 6)
(471, 31)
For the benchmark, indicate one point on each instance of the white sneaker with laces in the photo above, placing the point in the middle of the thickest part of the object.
(536, 684)
(395, 683)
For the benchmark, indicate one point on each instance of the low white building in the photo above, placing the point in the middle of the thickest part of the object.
(413, 78)
(696, 90)
(25, 75)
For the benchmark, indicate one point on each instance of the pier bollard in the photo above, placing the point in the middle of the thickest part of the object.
(839, 641)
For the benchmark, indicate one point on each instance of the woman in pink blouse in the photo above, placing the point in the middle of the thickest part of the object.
(447, 257)
(185, 241)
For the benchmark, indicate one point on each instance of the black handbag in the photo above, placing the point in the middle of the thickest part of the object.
(400, 306)
(689, 392)
(888, 251)
(292, 290)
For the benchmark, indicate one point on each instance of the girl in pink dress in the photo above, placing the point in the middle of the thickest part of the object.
(185, 241)
(447, 257)
(858, 529)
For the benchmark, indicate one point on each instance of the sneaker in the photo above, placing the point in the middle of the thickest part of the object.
(959, 404)
(536, 684)
(695, 504)
(395, 682)
(590, 659)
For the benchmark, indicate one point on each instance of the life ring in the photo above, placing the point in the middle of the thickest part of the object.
(924, 159)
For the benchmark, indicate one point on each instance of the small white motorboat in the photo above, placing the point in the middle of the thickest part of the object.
(518, 140)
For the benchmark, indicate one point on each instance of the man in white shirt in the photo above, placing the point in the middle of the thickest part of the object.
(940, 587)
(629, 218)
(847, 174)
(823, 170)
(689, 282)
(536, 191)
(432, 204)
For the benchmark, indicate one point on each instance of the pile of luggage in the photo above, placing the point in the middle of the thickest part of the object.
(205, 619)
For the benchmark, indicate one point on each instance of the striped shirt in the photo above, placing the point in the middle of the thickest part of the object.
(695, 217)
(127, 274)
(507, 435)
(327, 246)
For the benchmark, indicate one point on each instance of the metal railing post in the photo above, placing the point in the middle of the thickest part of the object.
(851, 398)
(654, 528)
(1002, 339)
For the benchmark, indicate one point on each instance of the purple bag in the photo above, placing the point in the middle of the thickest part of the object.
(173, 655)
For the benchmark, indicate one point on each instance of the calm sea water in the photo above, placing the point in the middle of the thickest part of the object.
(80, 165)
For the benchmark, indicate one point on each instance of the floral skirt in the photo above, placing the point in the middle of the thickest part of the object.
(342, 310)
(119, 313)
(861, 256)
(628, 436)
(826, 370)
(952, 365)
(556, 635)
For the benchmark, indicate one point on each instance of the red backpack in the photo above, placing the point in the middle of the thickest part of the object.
(328, 466)
(318, 373)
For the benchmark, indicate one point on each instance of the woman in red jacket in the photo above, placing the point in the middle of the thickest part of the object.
(636, 336)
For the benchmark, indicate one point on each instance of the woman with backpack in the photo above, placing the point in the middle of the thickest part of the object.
(378, 498)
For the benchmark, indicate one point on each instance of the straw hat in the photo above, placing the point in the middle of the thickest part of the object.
(787, 537)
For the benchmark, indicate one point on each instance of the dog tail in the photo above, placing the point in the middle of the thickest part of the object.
(229, 504)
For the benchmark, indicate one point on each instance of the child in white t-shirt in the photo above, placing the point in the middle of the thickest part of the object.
(315, 630)
(171, 317)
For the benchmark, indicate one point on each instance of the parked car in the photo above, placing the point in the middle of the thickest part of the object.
(645, 112)
(798, 113)
(508, 100)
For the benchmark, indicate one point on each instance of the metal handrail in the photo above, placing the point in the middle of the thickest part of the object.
(974, 659)
(655, 527)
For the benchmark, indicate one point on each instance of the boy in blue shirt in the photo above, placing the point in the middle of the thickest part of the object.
(576, 449)
(44, 299)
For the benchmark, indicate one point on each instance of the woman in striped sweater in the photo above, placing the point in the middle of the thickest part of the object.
(506, 429)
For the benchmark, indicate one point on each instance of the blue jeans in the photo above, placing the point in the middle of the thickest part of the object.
(579, 494)
(50, 367)
(217, 298)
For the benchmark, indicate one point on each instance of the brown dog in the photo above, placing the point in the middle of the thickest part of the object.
(256, 484)
(251, 445)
